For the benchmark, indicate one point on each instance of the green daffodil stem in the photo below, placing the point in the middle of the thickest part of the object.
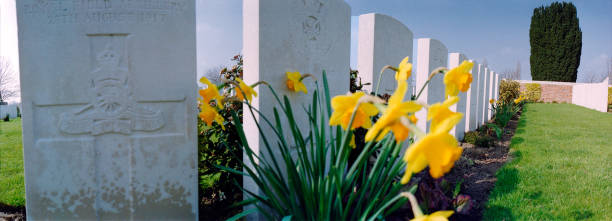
(416, 210)
(433, 73)
(380, 76)
(417, 132)
(307, 75)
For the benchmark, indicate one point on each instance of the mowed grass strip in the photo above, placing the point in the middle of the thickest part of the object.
(12, 189)
(561, 167)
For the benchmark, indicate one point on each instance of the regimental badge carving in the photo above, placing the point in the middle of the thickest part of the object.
(112, 108)
(311, 24)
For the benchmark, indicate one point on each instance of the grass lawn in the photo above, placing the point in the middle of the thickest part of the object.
(561, 167)
(12, 189)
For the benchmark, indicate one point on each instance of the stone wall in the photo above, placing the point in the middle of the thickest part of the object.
(554, 91)
(589, 95)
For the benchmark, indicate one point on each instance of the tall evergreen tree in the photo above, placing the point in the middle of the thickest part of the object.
(556, 43)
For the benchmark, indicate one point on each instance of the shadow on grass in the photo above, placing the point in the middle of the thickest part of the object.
(507, 179)
(501, 212)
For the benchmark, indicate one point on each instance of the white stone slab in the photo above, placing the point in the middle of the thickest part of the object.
(496, 88)
(483, 102)
(486, 97)
(431, 54)
(109, 111)
(454, 60)
(472, 99)
(297, 35)
(491, 94)
(383, 40)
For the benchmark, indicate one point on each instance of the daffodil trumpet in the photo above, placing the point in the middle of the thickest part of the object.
(346, 137)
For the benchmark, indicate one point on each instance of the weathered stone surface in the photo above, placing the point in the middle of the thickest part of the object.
(454, 60)
(309, 36)
(383, 40)
(109, 111)
(472, 99)
(431, 54)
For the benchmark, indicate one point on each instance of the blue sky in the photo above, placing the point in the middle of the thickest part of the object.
(494, 30)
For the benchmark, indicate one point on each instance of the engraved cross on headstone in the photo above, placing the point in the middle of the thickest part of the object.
(114, 137)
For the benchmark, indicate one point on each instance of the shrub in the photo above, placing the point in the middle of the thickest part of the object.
(470, 137)
(484, 141)
(479, 138)
(556, 43)
(220, 147)
(6, 118)
(509, 90)
(18, 112)
(533, 92)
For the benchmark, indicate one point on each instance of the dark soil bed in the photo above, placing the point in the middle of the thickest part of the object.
(475, 171)
(11, 213)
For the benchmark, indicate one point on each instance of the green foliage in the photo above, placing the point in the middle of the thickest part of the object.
(560, 165)
(556, 43)
(356, 84)
(470, 137)
(503, 113)
(18, 112)
(533, 92)
(311, 178)
(218, 147)
(479, 138)
(6, 118)
(509, 90)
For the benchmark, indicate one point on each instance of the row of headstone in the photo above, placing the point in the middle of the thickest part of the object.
(9, 109)
(385, 41)
(109, 94)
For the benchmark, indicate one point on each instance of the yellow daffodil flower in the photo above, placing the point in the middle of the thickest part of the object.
(458, 79)
(208, 114)
(491, 101)
(519, 99)
(439, 150)
(391, 119)
(294, 82)
(404, 70)
(344, 105)
(442, 117)
(245, 90)
(437, 216)
(210, 93)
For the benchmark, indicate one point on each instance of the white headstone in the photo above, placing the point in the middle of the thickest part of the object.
(454, 60)
(491, 94)
(472, 99)
(431, 54)
(109, 109)
(308, 36)
(383, 40)
(482, 102)
(497, 79)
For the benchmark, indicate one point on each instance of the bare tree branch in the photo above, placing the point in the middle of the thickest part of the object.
(513, 74)
(7, 81)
